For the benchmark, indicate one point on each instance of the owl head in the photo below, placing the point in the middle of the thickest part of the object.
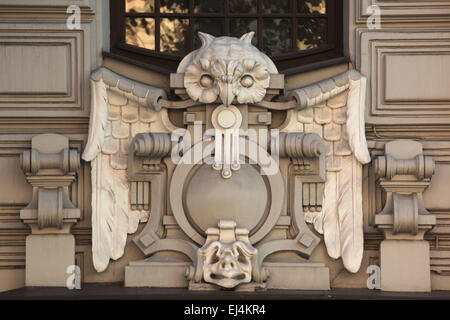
(227, 68)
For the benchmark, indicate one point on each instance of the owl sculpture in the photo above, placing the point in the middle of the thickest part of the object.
(228, 68)
(227, 72)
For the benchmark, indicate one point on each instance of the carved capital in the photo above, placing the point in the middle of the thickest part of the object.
(404, 173)
(50, 167)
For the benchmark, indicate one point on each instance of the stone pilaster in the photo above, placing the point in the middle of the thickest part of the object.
(404, 173)
(50, 167)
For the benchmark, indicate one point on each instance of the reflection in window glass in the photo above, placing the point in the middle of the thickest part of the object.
(174, 6)
(208, 6)
(140, 5)
(280, 6)
(277, 36)
(174, 35)
(209, 25)
(140, 32)
(279, 22)
(311, 33)
(243, 6)
(312, 6)
(240, 26)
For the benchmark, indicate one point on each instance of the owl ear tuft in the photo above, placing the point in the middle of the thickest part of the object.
(205, 38)
(248, 37)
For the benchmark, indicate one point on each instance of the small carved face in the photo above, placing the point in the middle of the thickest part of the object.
(228, 265)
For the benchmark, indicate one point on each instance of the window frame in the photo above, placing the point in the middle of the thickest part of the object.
(287, 63)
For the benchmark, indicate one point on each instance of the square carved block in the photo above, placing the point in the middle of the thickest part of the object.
(47, 72)
(409, 74)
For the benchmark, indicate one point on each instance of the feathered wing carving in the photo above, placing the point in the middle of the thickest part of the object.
(120, 109)
(335, 111)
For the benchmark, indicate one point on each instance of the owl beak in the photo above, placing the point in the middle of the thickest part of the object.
(226, 93)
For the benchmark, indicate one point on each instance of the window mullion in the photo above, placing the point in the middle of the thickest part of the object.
(191, 25)
(294, 25)
(157, 27)
(260, 26)
(226, 12)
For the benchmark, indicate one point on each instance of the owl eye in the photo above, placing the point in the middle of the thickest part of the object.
(206, 81)
(247, 81)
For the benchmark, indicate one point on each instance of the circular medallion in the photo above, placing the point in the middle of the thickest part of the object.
(209, 198)
(224, 118)
(199, 197)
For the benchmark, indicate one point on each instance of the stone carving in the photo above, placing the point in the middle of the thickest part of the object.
(50, 167)
(322, 148)
(404, 173)
(120, 109)
(227, 257)
(334, 109)
(228, 68)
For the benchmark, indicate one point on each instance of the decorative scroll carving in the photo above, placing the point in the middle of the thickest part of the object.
(227, 258)
(50, 167)
(404, 173)
(144, 158)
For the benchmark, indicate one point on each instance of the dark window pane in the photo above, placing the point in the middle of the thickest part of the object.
(240, 26)
(243, 6)
(208, 6)
(174, 6)
(280, 6)
(140, 32)
(140, 6)
(311, 33)
(312, 6)
(213, 26)
(277, 36)
(174, 35)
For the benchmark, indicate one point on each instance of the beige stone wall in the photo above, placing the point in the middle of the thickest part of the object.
(406, 62)
(44, 72)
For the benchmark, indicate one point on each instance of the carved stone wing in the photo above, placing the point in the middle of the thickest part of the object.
(334, 109)
(120, 109)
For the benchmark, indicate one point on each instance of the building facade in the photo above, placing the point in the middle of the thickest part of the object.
(103, 111)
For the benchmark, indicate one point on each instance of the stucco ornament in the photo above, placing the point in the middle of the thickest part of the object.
(227, 256)
(224, 70)
(227, 68)
(120, 109)
(334, 109)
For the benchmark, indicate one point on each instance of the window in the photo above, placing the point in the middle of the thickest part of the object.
(291, 32)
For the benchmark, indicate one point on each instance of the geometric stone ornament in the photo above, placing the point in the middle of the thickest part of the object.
(50, 167)
(404, 173)
(232, 214)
